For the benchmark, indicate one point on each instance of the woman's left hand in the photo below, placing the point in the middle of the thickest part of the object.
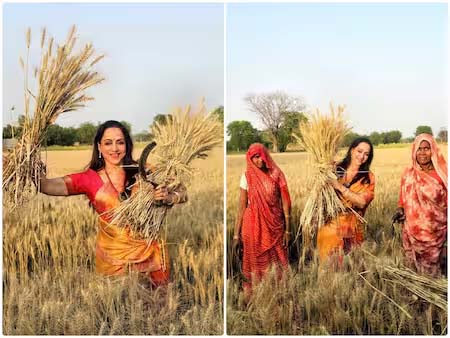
(161, 193)
(335, 184)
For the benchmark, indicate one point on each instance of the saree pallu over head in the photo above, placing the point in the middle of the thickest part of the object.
(264, 196)
(423, 195)
(263, 223)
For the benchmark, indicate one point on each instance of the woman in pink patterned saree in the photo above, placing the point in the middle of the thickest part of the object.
(422, 206)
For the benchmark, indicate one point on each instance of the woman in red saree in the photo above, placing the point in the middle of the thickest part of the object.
(422, 206)
(105, 181)
(356, 188)
(263, 218)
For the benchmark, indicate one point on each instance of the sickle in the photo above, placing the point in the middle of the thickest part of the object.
(143, 159)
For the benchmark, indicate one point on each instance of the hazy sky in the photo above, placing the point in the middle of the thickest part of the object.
(386, 62)
(158, 56)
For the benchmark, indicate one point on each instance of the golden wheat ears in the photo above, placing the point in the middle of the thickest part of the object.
(63, 76)
(183, 137)
(321, 135)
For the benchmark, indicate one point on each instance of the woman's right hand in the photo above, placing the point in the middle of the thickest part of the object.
(399, 216)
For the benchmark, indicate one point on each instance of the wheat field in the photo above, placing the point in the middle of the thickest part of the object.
(310, 300)
(49, 282)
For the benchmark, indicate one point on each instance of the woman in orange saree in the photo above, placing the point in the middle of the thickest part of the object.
(109, 178)
(422, 206)
(263, 218)
(355, 186)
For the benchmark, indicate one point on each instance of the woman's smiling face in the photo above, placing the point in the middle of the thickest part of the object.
(112, 146)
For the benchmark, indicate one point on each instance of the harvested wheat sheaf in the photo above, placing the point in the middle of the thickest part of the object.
(181, 138)
(321, 135)
(63, 75)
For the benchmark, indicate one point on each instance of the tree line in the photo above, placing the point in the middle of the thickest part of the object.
(281, 114)
(85, 133)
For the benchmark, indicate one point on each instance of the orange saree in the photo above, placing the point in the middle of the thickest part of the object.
(346, 231)
(116, 250)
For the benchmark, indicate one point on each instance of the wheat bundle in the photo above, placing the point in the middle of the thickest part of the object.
(321, 135)
(62, 78)
(183, 137)
(432, 290)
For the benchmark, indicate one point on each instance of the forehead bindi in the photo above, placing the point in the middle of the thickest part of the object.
(113, 134)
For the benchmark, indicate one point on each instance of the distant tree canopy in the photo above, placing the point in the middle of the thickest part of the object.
(14, 130)
(289, 126)
(393, 136)
(143, 136)
(86, 133)
(218, 112)
(161, 119)
(58, 135)
(242, 135)
(423, 130)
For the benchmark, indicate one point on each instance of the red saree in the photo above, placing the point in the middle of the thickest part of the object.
(423, 196)
(116, 250)
(263, 224)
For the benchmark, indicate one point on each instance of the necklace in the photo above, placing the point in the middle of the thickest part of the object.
(110, 181)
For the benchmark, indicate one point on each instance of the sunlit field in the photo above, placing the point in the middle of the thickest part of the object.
(362, 298)
(49, 282)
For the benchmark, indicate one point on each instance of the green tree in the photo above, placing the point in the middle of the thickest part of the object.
(85, 133)
(143, 136)
(161, 119)
(290, 125)
(57, 135)
(423, 130)
(14, 129)
(218, 112)
(376, 138)
(242, 135)
(393, 136)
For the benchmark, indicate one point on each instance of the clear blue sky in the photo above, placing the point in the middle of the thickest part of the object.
(158, 56)
(386, 62)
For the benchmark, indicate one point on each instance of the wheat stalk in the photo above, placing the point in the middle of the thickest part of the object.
(62, 79)
(321, 135)
(183, 137)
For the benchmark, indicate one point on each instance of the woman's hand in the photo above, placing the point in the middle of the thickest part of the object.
(335, 184)
(399, 216)
(161, 193)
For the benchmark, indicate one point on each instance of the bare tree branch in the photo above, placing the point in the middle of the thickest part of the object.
(270, 109)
